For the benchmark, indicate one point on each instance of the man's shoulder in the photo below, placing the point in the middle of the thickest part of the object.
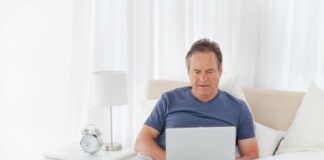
(177, 91)
(230, 98)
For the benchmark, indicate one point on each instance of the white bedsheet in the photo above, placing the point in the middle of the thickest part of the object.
(298, 156)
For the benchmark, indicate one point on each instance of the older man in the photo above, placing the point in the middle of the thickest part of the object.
(200, 105)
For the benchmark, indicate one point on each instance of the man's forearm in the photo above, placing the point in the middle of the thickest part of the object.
(248, 149)
(149, 147)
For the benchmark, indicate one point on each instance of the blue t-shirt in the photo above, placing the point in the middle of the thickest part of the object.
(179, 108)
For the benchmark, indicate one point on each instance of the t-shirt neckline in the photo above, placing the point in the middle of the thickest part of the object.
(189, 88)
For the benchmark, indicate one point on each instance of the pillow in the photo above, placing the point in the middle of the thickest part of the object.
(268, 139)
(233, 86)
(146, 107)
(306, 132)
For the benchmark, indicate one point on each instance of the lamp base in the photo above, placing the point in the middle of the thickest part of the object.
(111, 147)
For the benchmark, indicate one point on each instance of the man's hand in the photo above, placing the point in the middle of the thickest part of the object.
(146, 145)
(248, 149)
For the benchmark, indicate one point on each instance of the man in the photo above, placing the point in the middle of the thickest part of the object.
(200, 105)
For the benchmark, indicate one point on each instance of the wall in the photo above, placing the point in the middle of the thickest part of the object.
(35, 48)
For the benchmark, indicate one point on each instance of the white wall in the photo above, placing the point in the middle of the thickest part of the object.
(35, 47)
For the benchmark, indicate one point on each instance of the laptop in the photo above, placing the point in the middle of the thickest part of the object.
(206, 143)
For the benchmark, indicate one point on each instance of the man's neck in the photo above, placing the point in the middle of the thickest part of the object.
(206, 98)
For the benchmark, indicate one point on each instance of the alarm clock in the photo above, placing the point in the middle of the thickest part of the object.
(91, 141)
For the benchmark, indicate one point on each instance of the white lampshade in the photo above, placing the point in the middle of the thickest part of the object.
(109, 88)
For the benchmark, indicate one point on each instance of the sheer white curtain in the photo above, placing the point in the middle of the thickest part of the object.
(106, 41)
(272, 44)
(291, 50)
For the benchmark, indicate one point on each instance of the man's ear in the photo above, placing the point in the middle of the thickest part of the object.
(189, 77)
(220, 68)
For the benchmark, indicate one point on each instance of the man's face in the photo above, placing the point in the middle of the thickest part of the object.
(204, 74)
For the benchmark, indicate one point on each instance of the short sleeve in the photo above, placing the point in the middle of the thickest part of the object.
(246, 125)
(157, 118)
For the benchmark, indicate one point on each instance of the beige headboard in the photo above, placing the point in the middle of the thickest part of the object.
(273, 108)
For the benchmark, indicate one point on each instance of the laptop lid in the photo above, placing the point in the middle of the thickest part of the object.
(207, 143)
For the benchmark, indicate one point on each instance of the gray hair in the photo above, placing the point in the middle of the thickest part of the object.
(204, 45)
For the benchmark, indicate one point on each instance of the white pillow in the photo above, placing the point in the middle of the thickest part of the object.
(233, 86)
(306, 132)
(146, 109)
(268, 139)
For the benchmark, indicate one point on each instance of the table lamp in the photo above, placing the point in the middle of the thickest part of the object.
(110, 89)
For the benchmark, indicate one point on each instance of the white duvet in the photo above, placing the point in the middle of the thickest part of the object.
(297, 156)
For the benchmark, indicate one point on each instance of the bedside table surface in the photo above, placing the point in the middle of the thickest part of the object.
(74, 152)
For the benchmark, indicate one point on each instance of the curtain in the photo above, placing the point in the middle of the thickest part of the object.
(291, 44)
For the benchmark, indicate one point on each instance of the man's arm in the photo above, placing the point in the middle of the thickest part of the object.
(146, 145)
(248, 149)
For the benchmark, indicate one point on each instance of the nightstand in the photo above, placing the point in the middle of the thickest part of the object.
(74, 152)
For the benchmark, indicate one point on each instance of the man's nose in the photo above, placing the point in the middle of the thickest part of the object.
(203, 77)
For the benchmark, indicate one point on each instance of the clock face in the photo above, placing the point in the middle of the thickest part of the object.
(90, 144)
